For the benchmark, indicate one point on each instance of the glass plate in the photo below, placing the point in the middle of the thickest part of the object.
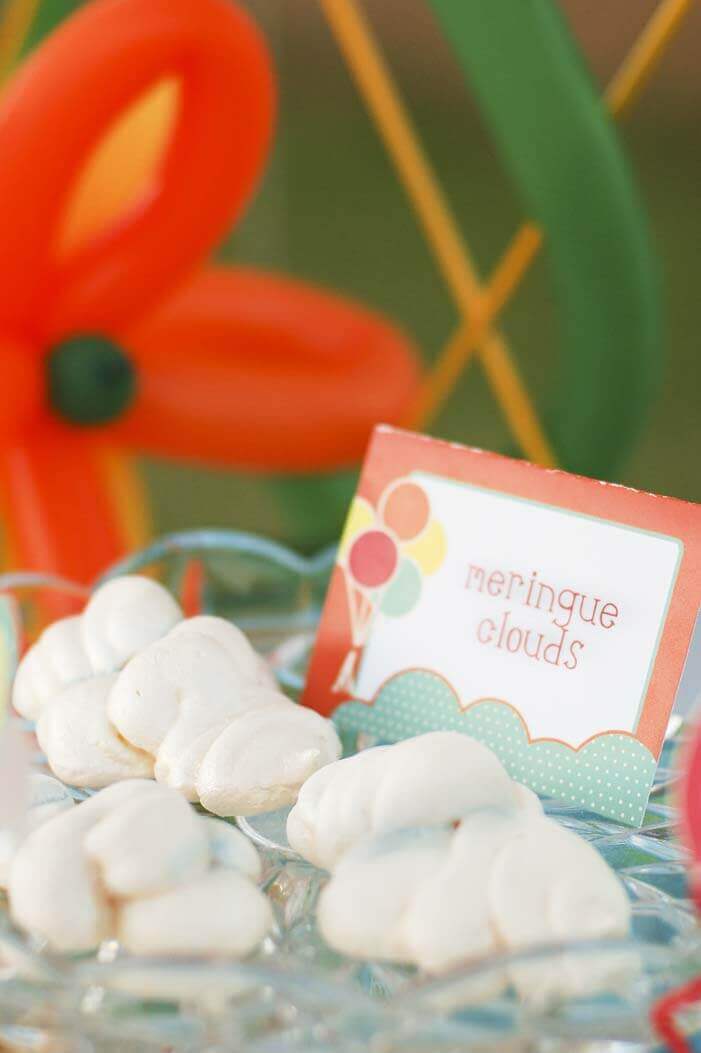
(295, 994)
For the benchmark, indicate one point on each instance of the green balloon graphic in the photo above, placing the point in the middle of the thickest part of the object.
(403, 592)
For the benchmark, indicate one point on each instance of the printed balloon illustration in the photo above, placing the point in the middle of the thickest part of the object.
(428, 550)
(361, 516)
(405, 509)
(373, 558)
(404, 592)
(384, 555)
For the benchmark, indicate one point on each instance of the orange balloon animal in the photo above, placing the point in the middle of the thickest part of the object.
(114, 332)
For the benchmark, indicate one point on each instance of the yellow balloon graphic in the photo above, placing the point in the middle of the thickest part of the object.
(429, 548)
(360, 516)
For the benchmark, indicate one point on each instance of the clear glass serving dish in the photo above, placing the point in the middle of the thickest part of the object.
(295, 994)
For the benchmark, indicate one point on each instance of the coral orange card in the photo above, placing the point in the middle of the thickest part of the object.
(546, 614)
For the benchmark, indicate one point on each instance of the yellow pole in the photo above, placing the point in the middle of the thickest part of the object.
(373, 78)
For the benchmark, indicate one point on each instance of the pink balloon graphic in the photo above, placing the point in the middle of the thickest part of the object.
(373, 558)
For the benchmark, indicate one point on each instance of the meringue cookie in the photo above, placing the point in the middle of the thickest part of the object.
(218, 736)
(249, 663)
(47, 797)
(449, 921)
(82, 747)
(57, 659)
(173, 698)
(135, 863)
(183, 751)
(439, 898)
(428, 780)
(53, 889)
(566, 891)
(259, 762)
(439, 777)
(167, 845)
(221, 913)
(230, 849)
(362, 910)
(182, 685)
(123, 616)
(323, 825)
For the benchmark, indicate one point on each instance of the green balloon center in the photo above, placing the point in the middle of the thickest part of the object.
(90, 380)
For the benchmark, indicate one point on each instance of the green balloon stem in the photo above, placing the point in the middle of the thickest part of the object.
(560, 147)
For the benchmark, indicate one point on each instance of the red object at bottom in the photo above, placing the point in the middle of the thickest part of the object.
(664, 1013)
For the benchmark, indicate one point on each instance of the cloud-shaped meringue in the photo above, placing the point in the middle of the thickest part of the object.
(438, 898)
(199, 702)
(45, 798)
(258, 763)
(54, 892)
(136, 863)
(131, 690)
(251, 665)
(122, 616)
(428, 780)
(221, 913)
(82, 747)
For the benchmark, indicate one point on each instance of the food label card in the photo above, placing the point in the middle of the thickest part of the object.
(545, 614)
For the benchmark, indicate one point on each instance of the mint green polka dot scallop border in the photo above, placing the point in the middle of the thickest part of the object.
(611, 775)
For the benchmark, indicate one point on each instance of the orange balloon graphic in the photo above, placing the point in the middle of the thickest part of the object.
(406, 510)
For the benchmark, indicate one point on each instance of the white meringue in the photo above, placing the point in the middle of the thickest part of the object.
(173, 692)
(221, 913)
(362, 910)
(148, 845)
(129, 689)
(406, 887)
(323, 825)
(135, 863)
(259, 762)
(230, 849)
(57, 659)
(123, 616)
(449, 921)
(82, 747)
(428, 780)
(439, 898)
(566, 891)
(192, 700)
(54, 891)
(249, 663)
(47, 797)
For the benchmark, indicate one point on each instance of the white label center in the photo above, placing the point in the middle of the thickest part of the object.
(556, 613)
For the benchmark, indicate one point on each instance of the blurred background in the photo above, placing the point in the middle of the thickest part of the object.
(331, 210)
